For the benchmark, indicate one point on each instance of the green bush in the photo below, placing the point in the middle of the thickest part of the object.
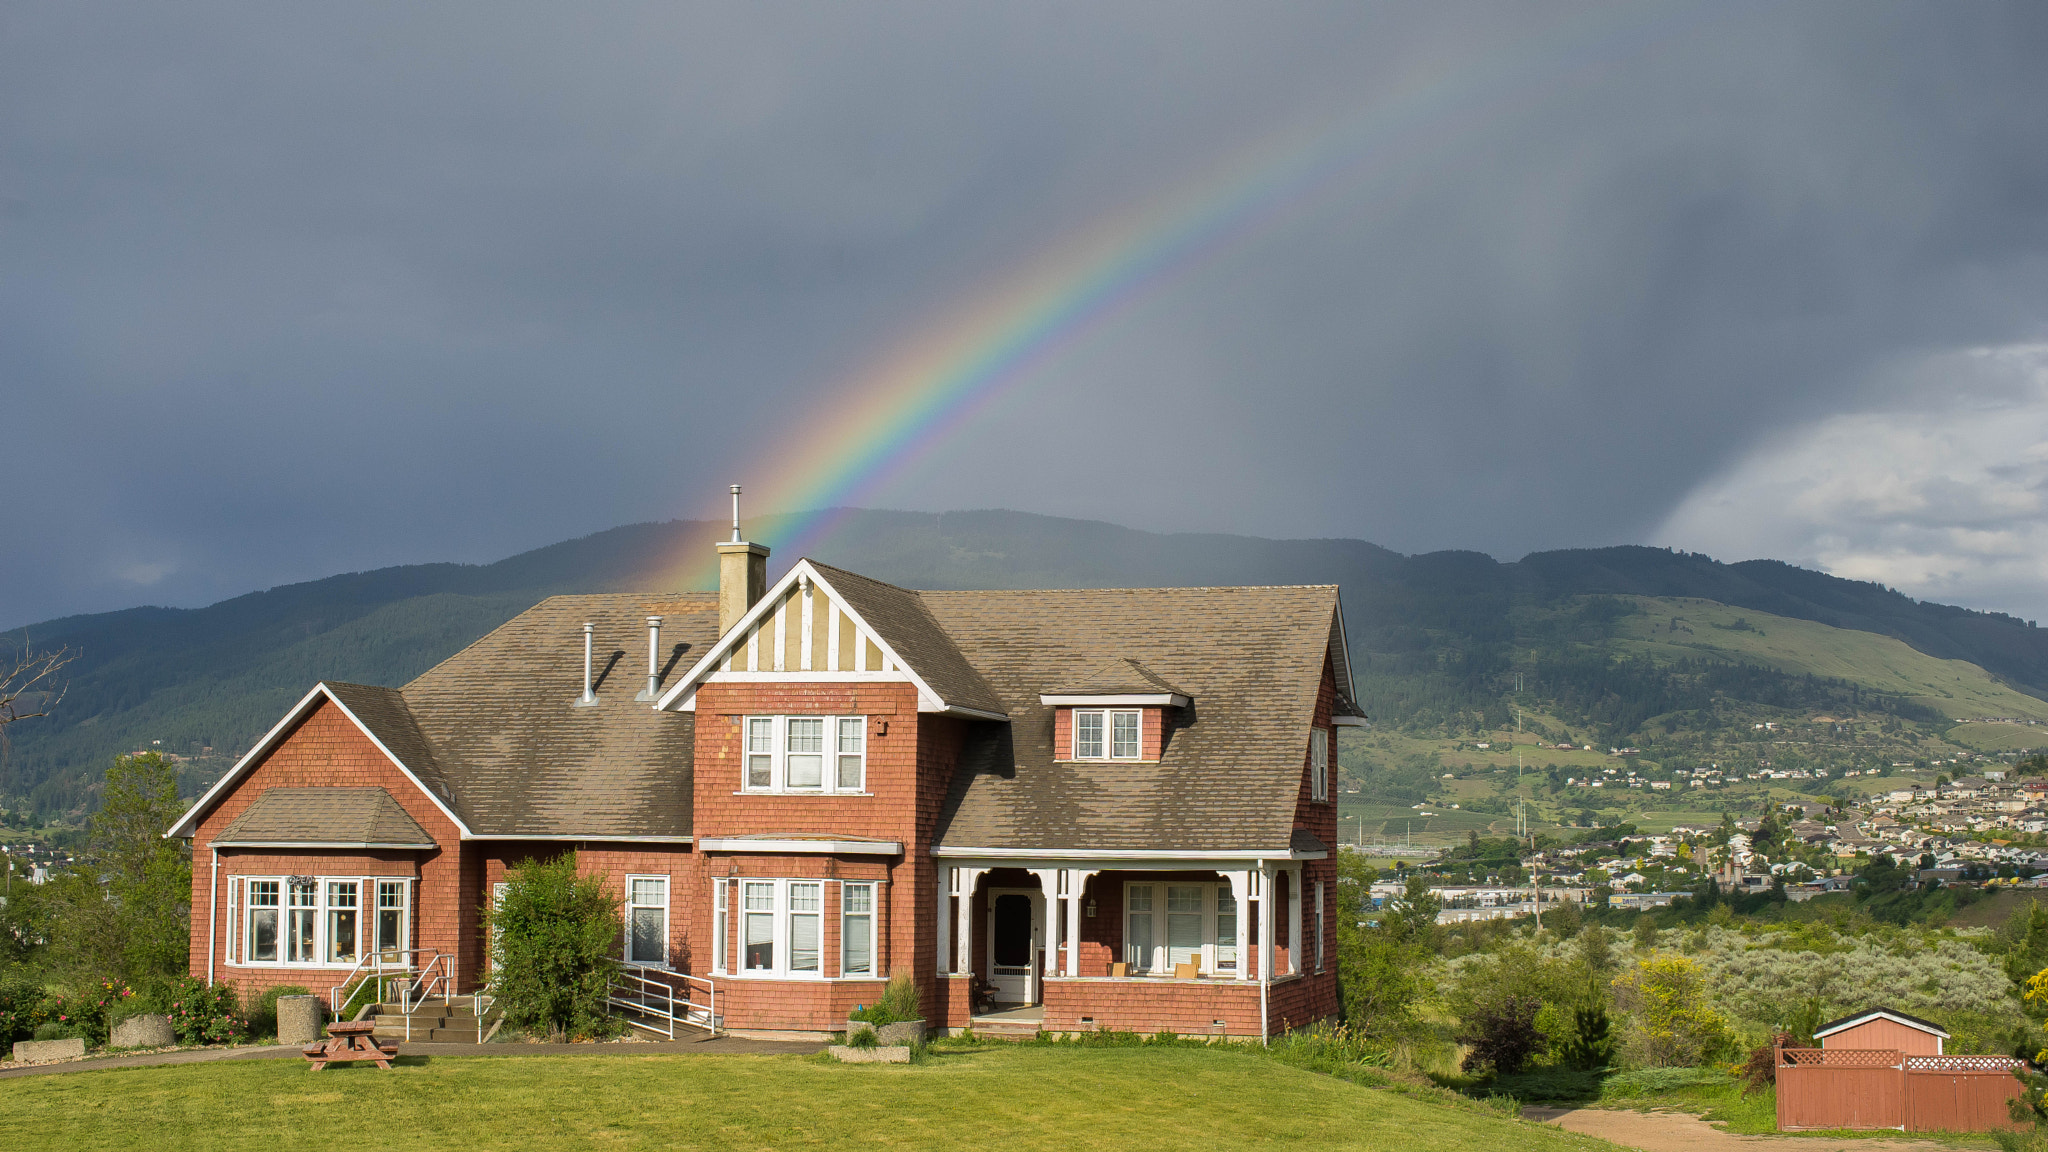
(203, 1015)
(21, 1002)
(555, 934)
(899, 1003)
(864, 1038)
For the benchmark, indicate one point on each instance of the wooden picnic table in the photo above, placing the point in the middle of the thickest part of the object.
(351, 1040)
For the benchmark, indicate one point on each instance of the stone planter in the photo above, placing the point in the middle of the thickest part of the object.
(44, 1051)
(901, 1032)
(147, 1030)
(888, 1054)
(298, 1020)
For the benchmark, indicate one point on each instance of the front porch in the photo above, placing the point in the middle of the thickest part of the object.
(1198, 946)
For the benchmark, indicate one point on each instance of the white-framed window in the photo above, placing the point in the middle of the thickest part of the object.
(646, 919)
(805, 754)
(1319, 764)
(782, 927)
(316, 921)
(720, 963)
(1319, 925)
(1107, 734)
(1167, 924)
(856, 929)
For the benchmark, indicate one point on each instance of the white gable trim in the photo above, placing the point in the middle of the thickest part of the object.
(188, 824)
(1882, 1014)
(683, 696)
(1084, 700)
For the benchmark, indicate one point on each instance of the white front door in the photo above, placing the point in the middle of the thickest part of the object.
(1016, 928)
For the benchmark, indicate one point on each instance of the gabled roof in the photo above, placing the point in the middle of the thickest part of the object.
(1229, 773)
(897, 620)
(382, 716)
(1869, 1014)
(527, 763)
(325, 818)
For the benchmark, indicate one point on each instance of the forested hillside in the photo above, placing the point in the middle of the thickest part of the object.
(1440, 638)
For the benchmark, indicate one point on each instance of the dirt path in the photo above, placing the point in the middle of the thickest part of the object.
(1685, 1132)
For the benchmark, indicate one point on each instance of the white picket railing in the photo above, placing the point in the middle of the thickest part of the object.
(656, 1000)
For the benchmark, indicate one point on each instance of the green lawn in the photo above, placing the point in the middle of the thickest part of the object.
(1012, 1098)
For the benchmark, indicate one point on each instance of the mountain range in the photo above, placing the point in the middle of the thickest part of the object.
(1433, 634)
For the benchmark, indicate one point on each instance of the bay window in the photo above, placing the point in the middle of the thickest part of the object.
(782, 928)
(791, 754)
(315, 921)
(646, 919)
(1106, 734)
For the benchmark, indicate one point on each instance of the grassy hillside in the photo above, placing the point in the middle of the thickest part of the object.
(1672, 627)
(1441, 640)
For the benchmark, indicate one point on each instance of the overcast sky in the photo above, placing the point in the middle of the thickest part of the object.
(287, 290)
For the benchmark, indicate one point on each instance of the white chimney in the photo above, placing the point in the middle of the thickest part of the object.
(653, 659)
(589, 699)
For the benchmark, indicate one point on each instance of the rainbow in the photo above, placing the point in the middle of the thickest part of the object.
(955, 369)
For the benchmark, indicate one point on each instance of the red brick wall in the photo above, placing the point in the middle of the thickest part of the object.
(326, 750)
(1187, 1007)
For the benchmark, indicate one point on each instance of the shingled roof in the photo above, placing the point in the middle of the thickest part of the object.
(523, 760)
(327, 817)
(1120, 677)
(902, 618)
(1228, 777)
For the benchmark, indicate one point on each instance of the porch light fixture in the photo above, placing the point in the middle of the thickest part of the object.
(1088, 909)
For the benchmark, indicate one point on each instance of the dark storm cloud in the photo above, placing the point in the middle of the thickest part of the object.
(287, 291)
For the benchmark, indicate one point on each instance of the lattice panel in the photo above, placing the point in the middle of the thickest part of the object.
(1960, 1063)
(1840, 1057)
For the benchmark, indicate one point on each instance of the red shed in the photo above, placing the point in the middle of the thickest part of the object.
(1883, 1028)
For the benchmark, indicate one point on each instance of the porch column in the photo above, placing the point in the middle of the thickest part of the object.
(1241, 892)
(1077, 886)
(1266, 921)
(1294, 919)
(1049, 885)
(943, 953)
(964, 944)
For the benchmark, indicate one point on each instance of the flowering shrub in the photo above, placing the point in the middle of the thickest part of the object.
(1670, 1021)
(203, 1015)
(21, 1008)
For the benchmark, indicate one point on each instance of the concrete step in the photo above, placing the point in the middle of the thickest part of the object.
(1023, 1029)
(432, 1035)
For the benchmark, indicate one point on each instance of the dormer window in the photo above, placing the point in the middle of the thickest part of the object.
(1107, 733)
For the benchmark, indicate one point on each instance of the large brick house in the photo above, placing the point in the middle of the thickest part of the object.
(1090, 809)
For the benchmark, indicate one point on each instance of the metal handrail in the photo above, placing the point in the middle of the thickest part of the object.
(373, 966)
(434, 973)
(658, 997)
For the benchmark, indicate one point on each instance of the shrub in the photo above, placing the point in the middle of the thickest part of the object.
(555, 933)
(206, 1015)
(1503, 1034)
(21, 1001)
(1760, 1071)
(899, 1002)
(1671, 1024)
(865, 1038)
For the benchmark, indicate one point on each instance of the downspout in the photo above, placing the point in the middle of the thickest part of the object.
(212, 913)
(1265, 954)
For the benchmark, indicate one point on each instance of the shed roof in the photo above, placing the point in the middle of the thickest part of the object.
(1869, 1014)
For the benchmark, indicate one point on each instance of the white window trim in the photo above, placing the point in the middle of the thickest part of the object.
(830, 904)
(873, 917)
(1108, 732)
(667, 887)
(404, 911)
(241, 937)
(778, 771)
(1218, 896)
(1319, 764)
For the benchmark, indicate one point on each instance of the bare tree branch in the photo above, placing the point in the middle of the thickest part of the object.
(29, 680)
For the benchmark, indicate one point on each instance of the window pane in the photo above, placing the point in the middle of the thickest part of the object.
(803, 942)
(263, 931)
(849, 773)
(650, 890)
(806, 771)
(1124, 743)
(1138, 940)
(851, 731)
(760, 771)
(390, 930)
(341, 893)
(804, 897)
(1183, 937)
(262, 893)
(649, 935)
(341, 935)
(298, 939)
(1183, 898)
(760, 896)
(760, 735)
(1226, 928)
(859, 954)
(1140, 896)
(806, 734)
(760, 941)
(856, 929)
(1087, 735)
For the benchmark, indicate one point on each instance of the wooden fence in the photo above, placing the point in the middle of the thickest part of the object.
(1885, 1088)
